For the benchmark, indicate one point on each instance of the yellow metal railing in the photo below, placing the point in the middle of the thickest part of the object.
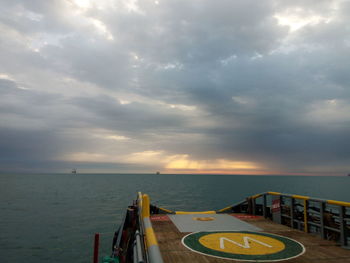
(343, 218)
(149, 235)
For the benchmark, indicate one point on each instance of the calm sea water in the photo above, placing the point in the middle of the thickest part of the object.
(53, 217)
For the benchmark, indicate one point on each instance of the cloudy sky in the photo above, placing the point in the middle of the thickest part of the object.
(199, 86)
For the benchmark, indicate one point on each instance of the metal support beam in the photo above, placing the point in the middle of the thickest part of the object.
(264, 206)
(254, 206)
(343, 237)
(281, 202)
(306, 229)
(292, 202)
(322, 229)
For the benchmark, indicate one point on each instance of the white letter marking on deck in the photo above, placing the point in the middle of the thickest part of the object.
(245, 240)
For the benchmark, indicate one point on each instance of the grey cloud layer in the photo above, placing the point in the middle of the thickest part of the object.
(257, 91)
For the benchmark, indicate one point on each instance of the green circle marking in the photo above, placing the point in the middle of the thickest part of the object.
(291, 248)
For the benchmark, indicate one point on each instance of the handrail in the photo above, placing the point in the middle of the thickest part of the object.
(166, 210)
(305, 220)
(332, 202)
(341, 203)
(227, 208)
(138, 256)
(150, 237)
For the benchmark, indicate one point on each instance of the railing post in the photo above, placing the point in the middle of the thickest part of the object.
(253, 205)
(276, 209)
(322, 230)
(292, 202)
(264, 206)
(306, 229)
(250, 205)
(343, 238)
(96, 246)
(281, 212)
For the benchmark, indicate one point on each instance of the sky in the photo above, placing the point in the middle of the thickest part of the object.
(185, 86)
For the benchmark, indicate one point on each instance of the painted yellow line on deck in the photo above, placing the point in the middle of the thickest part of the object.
(190, 213)
(203, 218)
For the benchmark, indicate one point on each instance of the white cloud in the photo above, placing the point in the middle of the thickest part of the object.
(297, 19)
(6, 76)
(243, 100)
(329, 113)
(102, 28)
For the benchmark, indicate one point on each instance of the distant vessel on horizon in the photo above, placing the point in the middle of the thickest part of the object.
(159, 172)
(74, 171)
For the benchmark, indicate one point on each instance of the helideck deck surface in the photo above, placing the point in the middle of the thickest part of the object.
(316, 249)
(210, 222)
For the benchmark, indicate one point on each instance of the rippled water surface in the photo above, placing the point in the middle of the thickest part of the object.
(53, 217)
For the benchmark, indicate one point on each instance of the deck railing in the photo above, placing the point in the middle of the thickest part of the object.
(328, 218)
(152, 248)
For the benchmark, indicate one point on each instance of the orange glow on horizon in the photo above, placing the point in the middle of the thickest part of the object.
(241, 172)
(182, 164)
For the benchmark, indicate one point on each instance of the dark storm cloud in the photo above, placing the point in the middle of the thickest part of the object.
(139, 117)
(27, 145)
(199, 78)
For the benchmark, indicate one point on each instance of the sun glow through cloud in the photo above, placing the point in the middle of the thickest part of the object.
(180, 163)
(297, 19)
(185, 164)
(102, 28)
(85, 4)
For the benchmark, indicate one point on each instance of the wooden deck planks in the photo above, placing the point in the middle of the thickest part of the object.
(317, 249)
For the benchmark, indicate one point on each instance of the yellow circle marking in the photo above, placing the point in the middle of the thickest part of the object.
(203, 218)
(242, 243)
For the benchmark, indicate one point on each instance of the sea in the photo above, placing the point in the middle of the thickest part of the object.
(53, 217)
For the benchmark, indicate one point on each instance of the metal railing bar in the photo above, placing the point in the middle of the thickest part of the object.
(264, 206)
(134, 253)
(332, 229)
(139, 247)
(314, 224)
